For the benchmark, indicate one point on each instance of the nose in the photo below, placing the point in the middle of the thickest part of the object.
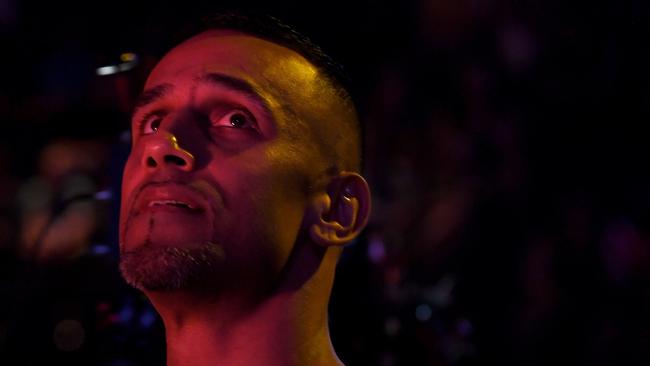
(163, 149)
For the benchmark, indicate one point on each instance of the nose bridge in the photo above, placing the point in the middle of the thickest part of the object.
(163, 150)
(177, 122)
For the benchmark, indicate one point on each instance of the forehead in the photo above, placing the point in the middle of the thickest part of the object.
(300, 98)
(264, 64)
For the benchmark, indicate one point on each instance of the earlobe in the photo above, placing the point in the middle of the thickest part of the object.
(342, 212)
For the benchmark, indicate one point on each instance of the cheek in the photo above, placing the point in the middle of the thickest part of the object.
(262, 234)
(270, 206)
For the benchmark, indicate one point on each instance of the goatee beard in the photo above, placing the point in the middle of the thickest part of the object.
(163, 268)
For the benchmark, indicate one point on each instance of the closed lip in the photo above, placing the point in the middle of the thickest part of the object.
(169, 194)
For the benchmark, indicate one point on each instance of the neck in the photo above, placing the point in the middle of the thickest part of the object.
(287, 328)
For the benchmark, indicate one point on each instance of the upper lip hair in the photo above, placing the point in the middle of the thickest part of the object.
(169, 191)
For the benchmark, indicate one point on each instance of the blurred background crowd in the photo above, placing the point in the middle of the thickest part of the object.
(505, 146)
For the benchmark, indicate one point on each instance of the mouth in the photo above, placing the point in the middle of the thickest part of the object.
(171, 197)
(173, 203)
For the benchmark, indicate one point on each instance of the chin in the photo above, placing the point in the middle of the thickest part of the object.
(158, 267)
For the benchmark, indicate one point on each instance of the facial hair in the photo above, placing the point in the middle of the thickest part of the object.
(162, 268)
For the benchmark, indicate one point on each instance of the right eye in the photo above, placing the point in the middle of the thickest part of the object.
(150, 124)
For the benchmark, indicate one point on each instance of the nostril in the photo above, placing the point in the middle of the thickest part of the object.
(173, 159)
(151, 162)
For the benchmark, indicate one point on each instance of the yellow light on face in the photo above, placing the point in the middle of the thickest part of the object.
(295, 71)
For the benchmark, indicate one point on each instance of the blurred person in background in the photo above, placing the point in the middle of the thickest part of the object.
(64, 297)
(66, 170)
(240, 191)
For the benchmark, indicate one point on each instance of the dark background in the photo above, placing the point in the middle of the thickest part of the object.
(505, 147)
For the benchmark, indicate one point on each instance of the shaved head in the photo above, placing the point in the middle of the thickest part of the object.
(340, 137)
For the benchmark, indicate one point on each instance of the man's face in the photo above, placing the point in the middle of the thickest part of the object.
(224, 153)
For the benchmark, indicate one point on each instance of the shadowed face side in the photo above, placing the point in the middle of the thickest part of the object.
(227, 145)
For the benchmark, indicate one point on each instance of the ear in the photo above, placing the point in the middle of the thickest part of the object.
(341, 212)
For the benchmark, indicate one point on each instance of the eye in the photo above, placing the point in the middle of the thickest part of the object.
(150, 124)
(235, 119)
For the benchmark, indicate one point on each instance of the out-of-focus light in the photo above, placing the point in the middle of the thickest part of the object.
(100, 249)
(128, 56)
(104, 195)
(128, 60)
(423, 313)
(126, 66)
(376, 249)
(107, 70)
(125, 137)
(126, 314)
(68, 335)
(147, 319)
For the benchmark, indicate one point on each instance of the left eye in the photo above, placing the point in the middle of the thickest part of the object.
(235, 119)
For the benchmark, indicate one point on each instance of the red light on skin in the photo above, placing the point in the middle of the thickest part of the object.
(171, 195)
(265, 274)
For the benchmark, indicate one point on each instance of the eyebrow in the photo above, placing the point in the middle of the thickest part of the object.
(151, 95)
(228, 82)
(236, 85)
